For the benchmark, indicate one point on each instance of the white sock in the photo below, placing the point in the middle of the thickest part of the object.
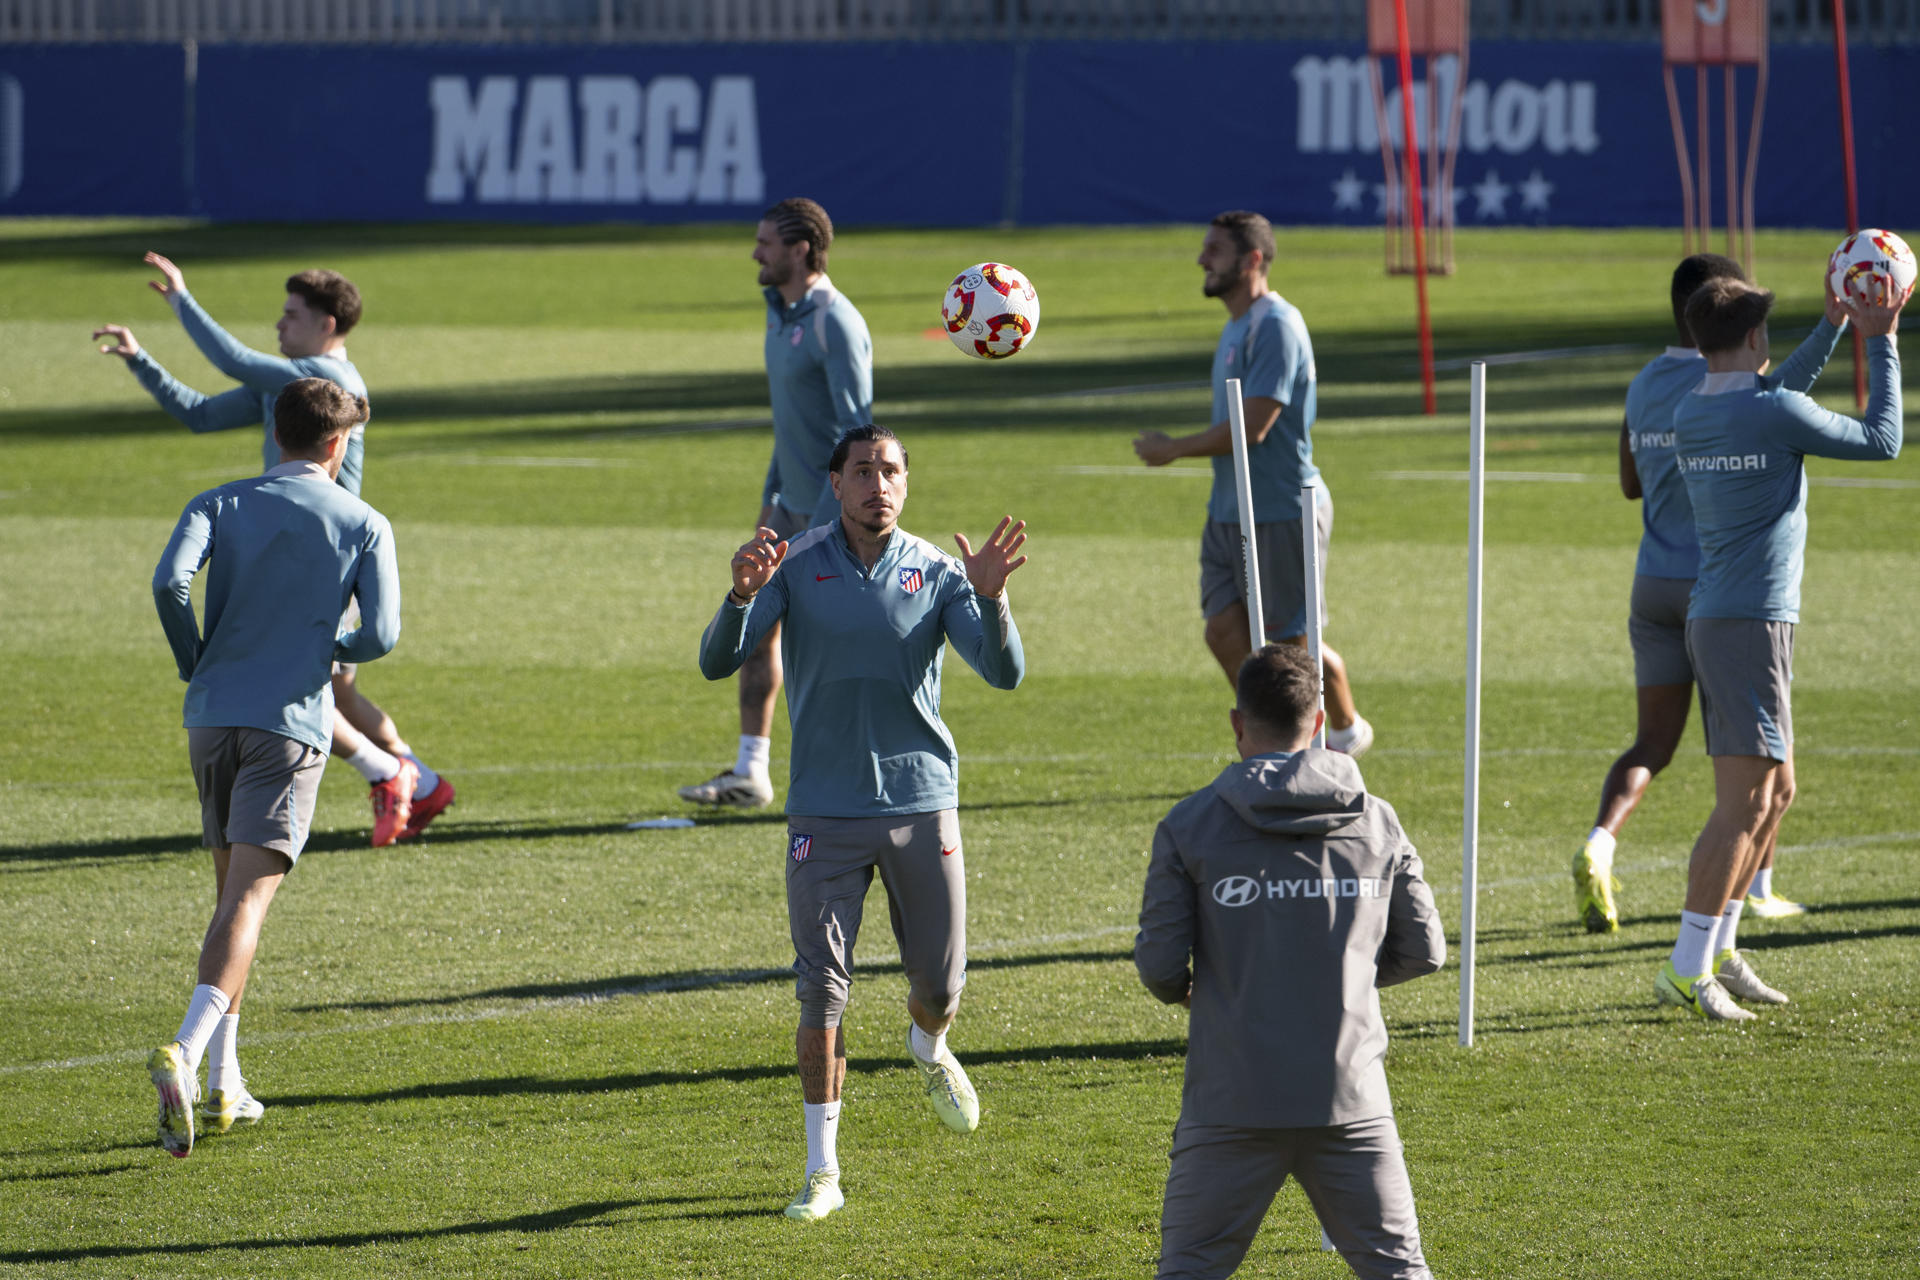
(1724, 940)
(1693, 953)
(1762, 886)
(204, 1012)
(428, 778)
(823, 1131)
(223, 1058)
(756, 754)
(373, 764)
(1601, 842)
(925, 1047)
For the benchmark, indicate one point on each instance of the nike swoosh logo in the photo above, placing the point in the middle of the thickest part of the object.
(822, 577)
(948, 853)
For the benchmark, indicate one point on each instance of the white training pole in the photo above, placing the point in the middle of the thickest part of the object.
(1470, 818)
(1310, 557)
(1243, 488)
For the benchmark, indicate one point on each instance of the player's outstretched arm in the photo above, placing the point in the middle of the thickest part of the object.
(1878, 434)
(186, 551)
(978, 623)
(1802, 368)
(200, 412)
(258, 369)
(1157, 448)
(755, 601)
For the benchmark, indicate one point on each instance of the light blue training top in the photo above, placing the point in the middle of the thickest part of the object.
(862, 650)
(1668, 548)
(1741, 441)
(820, 379)
(1269, 351)
(287, 551)
(261, 377)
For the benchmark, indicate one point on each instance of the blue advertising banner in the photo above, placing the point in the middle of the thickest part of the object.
(1550, 134)
(1572, 134)
(636, 133)
(94, 130)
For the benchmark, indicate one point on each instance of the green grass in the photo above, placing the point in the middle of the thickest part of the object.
(536, 1043)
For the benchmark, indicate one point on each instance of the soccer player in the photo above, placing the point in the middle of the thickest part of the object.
(1663, 578)
(1278, 900)
(874, 780)
(284, 554)
(1265, 345)
(1742, 439)
(320, 308)
(820, 378)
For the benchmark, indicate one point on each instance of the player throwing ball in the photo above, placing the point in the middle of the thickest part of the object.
(1742, 439)
(867, 608)
(284, 553)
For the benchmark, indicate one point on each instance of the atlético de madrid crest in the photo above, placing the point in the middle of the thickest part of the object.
(798, 847)
(910, 580)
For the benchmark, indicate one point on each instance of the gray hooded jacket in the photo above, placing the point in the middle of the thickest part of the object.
(1295, 895)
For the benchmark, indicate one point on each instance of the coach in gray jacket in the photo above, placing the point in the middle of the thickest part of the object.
(1279, 900)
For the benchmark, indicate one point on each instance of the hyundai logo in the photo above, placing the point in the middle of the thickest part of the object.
(1236, 891)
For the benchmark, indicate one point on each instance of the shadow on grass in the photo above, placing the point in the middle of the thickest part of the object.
(690, 980)
(448, 831)
(58, 1175)
(551, 1220)
(637, 1081)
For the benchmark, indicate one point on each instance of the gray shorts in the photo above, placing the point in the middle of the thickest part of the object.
(1279, 552)
(255, 788)
(1224, 1178)
(1657, 628)
(1744, 667)
(830, 864)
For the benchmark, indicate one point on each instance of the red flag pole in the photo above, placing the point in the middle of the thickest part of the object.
(1853, 193)
(1415, 214)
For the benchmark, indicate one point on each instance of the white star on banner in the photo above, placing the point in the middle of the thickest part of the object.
(1491, 195)
(1429, 200)
(1534, 192)
(1348, 191)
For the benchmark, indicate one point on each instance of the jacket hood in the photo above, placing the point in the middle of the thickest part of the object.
(1307, 793)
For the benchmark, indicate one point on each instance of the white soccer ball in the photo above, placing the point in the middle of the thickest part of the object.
(1871, 266)
(991, 311)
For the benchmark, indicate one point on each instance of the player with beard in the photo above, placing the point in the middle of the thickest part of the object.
(874, 777)
(1265, 345)
(820, 379)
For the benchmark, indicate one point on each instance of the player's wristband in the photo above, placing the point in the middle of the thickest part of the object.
(735, 598)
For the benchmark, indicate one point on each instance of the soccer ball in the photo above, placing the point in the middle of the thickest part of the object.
(1868, 262)
(991, 311)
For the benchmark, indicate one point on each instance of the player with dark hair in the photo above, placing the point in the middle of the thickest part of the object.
(284, 553)
(1265, 345)
(1741, 439)
(820, 377)
(1278, 901)
(1663, 579)
(321, 308)
(874, 780)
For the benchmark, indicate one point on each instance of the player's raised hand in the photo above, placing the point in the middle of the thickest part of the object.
(1155, 448)
(174, 281)
(755, 561)
(1837, 312)
(989, 567)
(127, 348)
(1879, 317)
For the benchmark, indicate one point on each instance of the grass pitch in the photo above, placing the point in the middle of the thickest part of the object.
(536, 1043)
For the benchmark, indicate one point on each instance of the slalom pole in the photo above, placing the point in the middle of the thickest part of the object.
(1243, 490)
(1416, 216)
(1852, 185)
(1310, 557)
(1470, 817)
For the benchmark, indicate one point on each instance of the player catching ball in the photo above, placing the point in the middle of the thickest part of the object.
(1742, 440)
(867, 609)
